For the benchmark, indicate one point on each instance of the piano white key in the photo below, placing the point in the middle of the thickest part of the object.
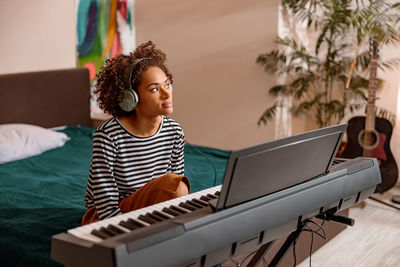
(131, 215)
(85, 231)
(174, 202)
(137, 213)
(87, 228)
(114, 220)
(198, 194)
(143, 211)
(149, 209)
(102, 223)
(124, 216)
(84, 235)
(99, 224)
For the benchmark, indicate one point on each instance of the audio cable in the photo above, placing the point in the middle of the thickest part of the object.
(198, 150)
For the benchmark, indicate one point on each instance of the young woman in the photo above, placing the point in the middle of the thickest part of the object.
(137, 156)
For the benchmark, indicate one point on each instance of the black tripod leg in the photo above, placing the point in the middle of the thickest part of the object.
(290, 240)
(260, 254)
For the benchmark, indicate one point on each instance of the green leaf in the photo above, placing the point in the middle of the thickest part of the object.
(268, 115)
(316, 76)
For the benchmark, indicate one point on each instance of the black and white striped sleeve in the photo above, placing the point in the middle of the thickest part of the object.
(101, 178)
(178, 162)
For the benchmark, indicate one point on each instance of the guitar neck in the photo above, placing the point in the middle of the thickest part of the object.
(370, 112)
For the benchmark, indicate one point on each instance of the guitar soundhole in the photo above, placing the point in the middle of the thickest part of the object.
(373, 140)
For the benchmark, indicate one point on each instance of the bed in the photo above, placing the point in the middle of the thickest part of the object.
(42, 194)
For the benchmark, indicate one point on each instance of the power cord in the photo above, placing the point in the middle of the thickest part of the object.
(309, 229)
(239, 264)
(306, 228)
(250, 254)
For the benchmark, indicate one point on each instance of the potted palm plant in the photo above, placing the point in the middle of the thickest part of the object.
(329, 78)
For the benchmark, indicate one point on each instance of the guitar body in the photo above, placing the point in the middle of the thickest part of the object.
(382, 152)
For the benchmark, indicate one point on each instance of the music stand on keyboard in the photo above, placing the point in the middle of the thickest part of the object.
(270, 167)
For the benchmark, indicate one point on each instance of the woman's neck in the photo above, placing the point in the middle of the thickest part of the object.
(141, 126)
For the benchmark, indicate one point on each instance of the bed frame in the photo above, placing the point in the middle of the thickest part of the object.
(46, 98)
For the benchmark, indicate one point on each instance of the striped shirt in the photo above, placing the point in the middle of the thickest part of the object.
(122, 163)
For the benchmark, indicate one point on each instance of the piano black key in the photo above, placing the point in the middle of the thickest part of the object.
(217, 193)
(212, 196)
(160, 214)
(171, 212)
(128, 225)
(131, 224)
(147, 219)
(100, 234)
(138, 224)
(200, 202)
(107, 231)
(194, 204)
(155, 217)
(187, 206)
(178, 209)
(115, 229)
(205, 198)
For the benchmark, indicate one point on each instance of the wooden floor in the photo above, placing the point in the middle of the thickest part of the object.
(373, 241)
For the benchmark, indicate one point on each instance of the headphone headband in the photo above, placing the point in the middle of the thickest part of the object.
(137, 61)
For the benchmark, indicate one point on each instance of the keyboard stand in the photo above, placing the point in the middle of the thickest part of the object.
(292, 239)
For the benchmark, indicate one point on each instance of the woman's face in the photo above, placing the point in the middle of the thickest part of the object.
(155, 94)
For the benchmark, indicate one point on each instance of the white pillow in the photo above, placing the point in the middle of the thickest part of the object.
(19, 141)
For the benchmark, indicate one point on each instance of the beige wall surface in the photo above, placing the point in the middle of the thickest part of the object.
(212, 46)
(37, 35)
(220, 92)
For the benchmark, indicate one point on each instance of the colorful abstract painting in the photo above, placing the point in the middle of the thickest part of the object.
(105, 28)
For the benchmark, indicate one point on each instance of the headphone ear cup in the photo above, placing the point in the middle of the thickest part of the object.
(128, 100)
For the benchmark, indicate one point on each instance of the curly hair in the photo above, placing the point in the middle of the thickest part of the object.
(114, 75)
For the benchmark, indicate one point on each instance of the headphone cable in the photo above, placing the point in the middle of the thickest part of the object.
(198, 150)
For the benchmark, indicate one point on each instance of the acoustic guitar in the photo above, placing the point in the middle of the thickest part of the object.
(370, 136)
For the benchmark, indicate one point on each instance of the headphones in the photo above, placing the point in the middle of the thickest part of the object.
(128, 99)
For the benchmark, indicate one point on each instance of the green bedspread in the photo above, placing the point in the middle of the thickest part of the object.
(44, 195)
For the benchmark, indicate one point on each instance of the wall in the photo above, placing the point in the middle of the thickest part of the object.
(37, 35)
(212, 46)
(219, 90)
